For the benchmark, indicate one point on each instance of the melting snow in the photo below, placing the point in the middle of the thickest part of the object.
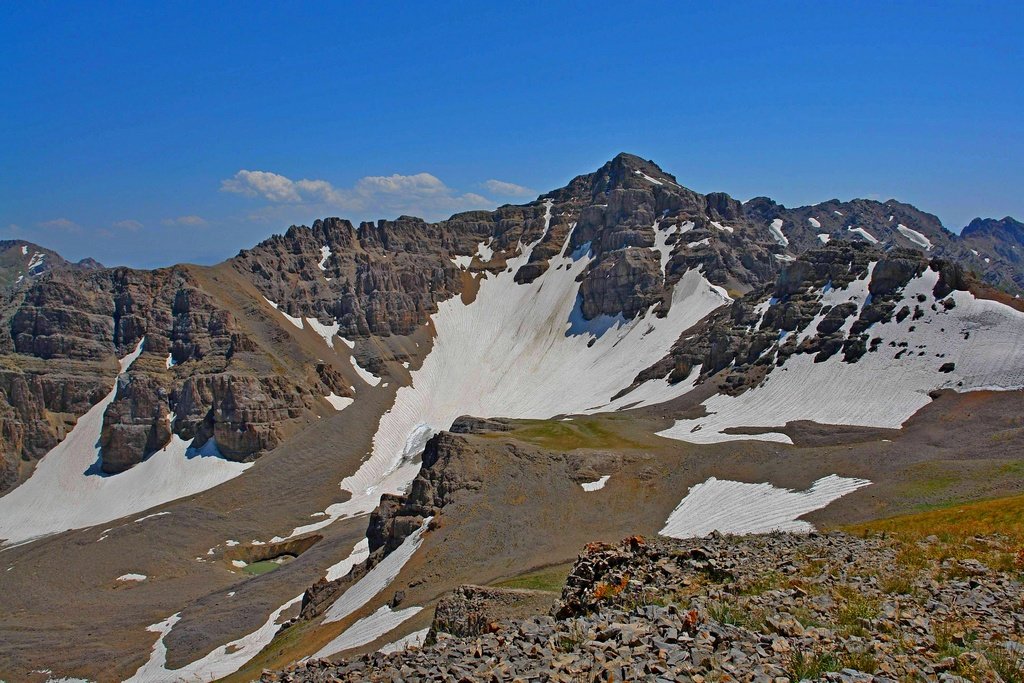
(325, 253)
(339, 402)
(325, 331)
(699, 243)
(661, 244)
(60, 495)
(484, 250)
(784, 257)
(170, 361)
(219, 663)
(733, 507)
(832, 392)
(973, 251)
(377, 579)
(294, 321)
(724, 228)
(414, 639)
(914, 236)
(24, 250)
(824, 237)
(865, 234)
(814, 222)
(368, 629)
(367, 376)
(359, 553)
(648, 178)
(776, 230)
(36, 261)
(596, 485)
(132, 577)
(838, 213)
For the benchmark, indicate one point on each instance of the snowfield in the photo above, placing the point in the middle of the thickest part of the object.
(733, 507)
(514, 352)
(368, 629)
(833, 392)
(60, 495)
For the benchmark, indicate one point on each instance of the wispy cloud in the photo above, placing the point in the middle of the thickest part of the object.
(127, 224)
(506, 189)
(190, 220)
(61, 224)
(420, 194)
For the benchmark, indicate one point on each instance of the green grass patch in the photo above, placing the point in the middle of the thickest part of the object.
(550, 579)
(580, 432)
(257, 568)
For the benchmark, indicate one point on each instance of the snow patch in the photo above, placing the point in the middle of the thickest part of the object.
(294, 321)
(377, 579)
(461, 261)
(326, 331)
(699, 243)
(814, 222)
(596, 485)
(132, 577)
(364, 374)
(414, 639)
(325, 253)
(824, 237)
(648, 178)
(60, 495)
(914, 236)
(733, 507)
(339, 402)
(368, 629)
(776, 229)
(484, 250)
(864, 234)
(359, 553)
(723, 228)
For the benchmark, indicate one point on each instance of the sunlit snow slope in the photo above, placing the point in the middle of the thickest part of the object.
(982, 338)
(60, 495)
(521, 351)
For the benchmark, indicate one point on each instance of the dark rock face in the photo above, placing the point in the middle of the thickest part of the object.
(68, 327)
(750, 345)
(467, 424)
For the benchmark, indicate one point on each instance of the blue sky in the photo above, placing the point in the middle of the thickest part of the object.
(146, 135)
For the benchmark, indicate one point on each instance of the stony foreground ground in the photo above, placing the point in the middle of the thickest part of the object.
(766, 609)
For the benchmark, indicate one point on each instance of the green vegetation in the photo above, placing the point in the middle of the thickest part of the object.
(550, 579)
(580, 432)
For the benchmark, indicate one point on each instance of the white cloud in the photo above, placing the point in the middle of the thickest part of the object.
(61, 224)
(272, 186)
(420, 194)
(190, 220)
(505, 189)
(128, 224)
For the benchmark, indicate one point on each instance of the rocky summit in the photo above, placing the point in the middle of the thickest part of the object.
(349, 439)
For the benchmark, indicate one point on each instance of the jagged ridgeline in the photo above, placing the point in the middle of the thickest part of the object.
(680, 361)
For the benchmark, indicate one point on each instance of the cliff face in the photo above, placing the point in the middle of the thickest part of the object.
(200, 376)
(204, 374)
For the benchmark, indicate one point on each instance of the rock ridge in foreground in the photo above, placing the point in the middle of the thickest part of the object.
(757, 608)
